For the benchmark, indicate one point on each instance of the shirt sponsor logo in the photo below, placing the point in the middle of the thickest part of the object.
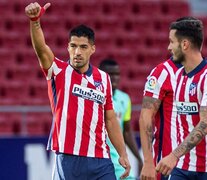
(151, 83)
(88, 93)
(192, 89)
(187, 108)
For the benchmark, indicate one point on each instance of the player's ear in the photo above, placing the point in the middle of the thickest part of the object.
(93, 49)
(68, 46)
(185, 44)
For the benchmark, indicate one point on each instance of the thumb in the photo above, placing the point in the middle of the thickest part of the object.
(47, 6)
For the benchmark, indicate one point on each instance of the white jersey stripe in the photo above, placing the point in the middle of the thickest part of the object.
(92, 140)
(53, 69)
(204, 98)
(105, 154)
(173, 133)
(79, 120)
(63, 122)
(192, 156)
(180, 127)
(161, 79)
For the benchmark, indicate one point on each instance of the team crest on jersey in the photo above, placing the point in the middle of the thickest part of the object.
(151, 83)
(192, 89)
(88, 93)
(98, 85)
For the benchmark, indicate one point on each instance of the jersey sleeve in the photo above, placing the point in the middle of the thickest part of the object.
(109, 101)
(56, 67)
(204, 97)
(156, 82)
(127, 115)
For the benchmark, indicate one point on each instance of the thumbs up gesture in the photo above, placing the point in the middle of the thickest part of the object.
(34, 11)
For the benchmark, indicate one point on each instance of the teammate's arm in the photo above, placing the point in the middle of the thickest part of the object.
(116, 137)
(43, 52)
(150, 107)
(166, 165)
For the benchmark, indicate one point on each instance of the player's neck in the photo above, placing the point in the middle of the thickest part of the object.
(192, 61)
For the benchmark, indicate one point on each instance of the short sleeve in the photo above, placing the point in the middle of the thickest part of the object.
(155, 85)
(204, 96)
(56, 67)
(109, 101)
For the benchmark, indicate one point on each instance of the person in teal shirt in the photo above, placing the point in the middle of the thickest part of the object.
(122, 106)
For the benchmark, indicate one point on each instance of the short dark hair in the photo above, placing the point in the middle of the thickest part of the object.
(83, 31)
(190, 28)
(107, 62)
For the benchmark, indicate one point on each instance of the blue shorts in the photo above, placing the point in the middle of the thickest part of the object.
(180, 174)
(70, 167)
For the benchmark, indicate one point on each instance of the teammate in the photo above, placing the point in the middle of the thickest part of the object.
(186, 38)
(157, 117)
(122, 106)
(81, 100)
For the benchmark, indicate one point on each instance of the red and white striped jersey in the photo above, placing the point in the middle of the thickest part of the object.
(78, 103)
(190, 94)
(161, 85)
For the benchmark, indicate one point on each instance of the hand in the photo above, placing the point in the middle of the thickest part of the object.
(148, 172)
(166, 165)
(126, 165)
(140, 165)
(33, 9)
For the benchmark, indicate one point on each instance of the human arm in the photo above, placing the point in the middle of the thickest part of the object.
(166, 165)
(150, 107)
(116, 137)
(44, 53)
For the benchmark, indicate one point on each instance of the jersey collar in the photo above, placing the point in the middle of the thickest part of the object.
(87, 73)
(178, 65)
(197, 69)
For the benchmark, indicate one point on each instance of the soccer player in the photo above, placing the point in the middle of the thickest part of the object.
(157, 117)
(81, 100)
(186, 39)
(122, 106)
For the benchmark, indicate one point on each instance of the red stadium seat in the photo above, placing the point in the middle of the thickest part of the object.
(34, 125)
(10, 123)
(38, 123)
(11, 39)
(148, 8)
(7, 58)
(180, 8)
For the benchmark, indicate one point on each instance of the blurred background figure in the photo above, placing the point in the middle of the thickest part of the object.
(122, 106)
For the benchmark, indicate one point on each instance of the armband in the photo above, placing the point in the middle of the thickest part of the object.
(42, 11)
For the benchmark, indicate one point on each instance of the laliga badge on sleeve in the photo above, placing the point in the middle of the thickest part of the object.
(151, 83)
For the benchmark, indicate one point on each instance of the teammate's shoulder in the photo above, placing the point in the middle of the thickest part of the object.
(160, 67)
(163, 64)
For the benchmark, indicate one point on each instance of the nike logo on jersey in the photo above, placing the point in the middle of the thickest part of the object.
(88, 93)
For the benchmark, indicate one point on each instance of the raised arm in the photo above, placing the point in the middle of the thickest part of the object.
(150, 107)
(34, 11)
(116, 137)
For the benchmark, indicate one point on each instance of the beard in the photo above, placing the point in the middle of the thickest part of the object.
(178, 56)
(180, 59)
